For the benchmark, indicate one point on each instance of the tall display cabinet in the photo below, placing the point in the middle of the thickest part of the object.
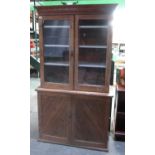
(74, 95)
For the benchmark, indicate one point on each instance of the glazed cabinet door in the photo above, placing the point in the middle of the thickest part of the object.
(90, 121)
(92, 58)
(54, 117)
(56, 36)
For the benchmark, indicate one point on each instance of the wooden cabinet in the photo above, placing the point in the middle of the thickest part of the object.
(119, 115)
(74, 117)
(74, 96)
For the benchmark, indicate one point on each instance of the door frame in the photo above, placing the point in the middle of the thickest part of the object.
(88, 87)
(52, 85)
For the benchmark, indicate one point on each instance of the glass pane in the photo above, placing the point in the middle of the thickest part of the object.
(92, 51)
(91, 55)
(94, 76)
(56, 36)
(56, 74)
(93, 33)
(56, 50)
(57, 55)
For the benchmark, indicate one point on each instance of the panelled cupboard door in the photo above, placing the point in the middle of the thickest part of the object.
(90, 121)
(56, 45)
(54, 117)
(92, 53)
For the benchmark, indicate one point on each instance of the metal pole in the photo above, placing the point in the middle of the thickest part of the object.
(35, 33)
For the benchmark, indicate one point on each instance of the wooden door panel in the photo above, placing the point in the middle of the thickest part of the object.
(54, 115)
(90, 123)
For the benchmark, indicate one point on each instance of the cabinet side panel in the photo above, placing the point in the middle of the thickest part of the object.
(108, 56)
(41, 50)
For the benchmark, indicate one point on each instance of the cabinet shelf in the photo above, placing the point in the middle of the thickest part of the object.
(56, 26)
(92, 46)
(92, 27)
(56, 64)
(52, 45)
(121, 113)
(92, 65)
(120, 133)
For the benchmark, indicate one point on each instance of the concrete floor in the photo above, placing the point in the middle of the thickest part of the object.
(40, 148)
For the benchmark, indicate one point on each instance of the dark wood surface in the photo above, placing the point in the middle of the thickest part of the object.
(90, 122)
(76, 9)
(54, 120)
(72, 114)
(108, 57)
(41, 50)
(74, 119)
(110, 94)
(119, 115)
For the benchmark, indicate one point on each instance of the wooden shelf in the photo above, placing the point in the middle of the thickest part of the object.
(121, 113)
(56, 64)
(92, 26)
(52, 45)
(92, 65)
(92, 46)
(56, 26)
(120, 133)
